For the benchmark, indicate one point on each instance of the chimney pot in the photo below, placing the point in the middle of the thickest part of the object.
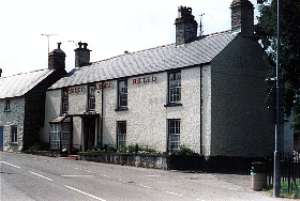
(186, 26)
(56, 58)
(82, 55)
(242, 17)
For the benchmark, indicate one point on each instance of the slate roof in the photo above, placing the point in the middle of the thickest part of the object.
(19, 84)
(158, 59)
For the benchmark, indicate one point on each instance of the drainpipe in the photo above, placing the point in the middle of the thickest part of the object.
(201, 109)
(102, 118)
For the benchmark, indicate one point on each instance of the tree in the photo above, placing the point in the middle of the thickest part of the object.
(290, 43)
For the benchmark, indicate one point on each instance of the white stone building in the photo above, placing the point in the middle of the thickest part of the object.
(203, 92)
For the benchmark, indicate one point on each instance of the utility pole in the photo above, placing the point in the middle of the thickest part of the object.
(278, 124)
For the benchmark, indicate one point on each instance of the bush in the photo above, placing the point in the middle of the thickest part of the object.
(185, 151)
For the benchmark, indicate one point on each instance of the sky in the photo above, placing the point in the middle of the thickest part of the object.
(110, 27)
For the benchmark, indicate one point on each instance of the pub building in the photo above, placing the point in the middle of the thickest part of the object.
(203, 92)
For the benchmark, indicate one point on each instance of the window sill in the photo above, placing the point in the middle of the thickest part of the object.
(121, 109)
(173, 105)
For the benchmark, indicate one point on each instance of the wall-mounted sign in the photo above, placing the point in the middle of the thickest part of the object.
(144, 80)
(104, 85)
(76, 90)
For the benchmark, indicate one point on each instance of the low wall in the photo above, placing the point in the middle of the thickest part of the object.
(137, 160)
(220, 164)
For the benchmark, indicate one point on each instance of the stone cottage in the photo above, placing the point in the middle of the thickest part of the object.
(22, 103)
(203, 92)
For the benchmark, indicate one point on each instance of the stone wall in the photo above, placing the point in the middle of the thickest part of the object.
(13, 117)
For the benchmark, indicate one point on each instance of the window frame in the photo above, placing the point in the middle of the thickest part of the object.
(119, 106)
(173, 103)
(64, 97)
(124, 135)
(178, 135)
(7, 105)
(89, 99)
(14, 134)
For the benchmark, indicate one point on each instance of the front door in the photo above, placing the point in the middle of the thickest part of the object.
(1, 138)
(89, 132)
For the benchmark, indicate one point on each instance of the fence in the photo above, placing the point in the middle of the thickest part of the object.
(289, 171)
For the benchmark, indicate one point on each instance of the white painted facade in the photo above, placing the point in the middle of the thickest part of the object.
(147, 114)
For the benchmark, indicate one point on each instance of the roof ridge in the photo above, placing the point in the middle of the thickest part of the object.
(24, 73)
(160, 46)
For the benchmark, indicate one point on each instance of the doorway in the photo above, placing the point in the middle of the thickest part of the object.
(89, 132)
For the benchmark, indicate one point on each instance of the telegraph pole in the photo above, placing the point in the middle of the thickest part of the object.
(276, 176)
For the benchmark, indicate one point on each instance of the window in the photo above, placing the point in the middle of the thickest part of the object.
(91, 97)
(65, 101)
(122, 94)
(174, 87)
(14, 134)
(7, 105)
(54, 136)
(173, 135)
(121, 134)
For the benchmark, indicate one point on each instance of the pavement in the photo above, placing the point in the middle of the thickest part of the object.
(26, 177)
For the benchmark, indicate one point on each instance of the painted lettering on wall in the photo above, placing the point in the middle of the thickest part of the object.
(104, 85)
(76, 90)
(144, 80)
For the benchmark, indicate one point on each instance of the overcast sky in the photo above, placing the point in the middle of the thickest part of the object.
(109, 27)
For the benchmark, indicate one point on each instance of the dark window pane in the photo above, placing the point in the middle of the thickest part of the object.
(174, 91)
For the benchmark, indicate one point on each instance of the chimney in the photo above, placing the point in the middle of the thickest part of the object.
(56, 59)
(82, 55)
(186, 26)
(0, 72)
(242, 17)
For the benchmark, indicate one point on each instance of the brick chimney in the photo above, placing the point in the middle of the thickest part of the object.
(242, 17)
(186, 26)
(56, 59)
(82, 55)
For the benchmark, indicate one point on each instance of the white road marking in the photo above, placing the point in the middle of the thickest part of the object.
(89, 171)
(75, 175)
(41, 176)
(145, 186)
(84, 193)
(173, 193)
(9, 164)
(153, 175)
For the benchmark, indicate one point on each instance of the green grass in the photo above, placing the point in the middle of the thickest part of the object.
(294, 192)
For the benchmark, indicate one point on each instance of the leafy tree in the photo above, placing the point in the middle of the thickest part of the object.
(290, 42)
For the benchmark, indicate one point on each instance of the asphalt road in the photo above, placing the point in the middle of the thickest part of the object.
(36, 178)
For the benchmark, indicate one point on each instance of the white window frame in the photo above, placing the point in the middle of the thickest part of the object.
(174, 130)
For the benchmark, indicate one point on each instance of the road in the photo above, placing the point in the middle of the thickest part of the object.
(37, 178)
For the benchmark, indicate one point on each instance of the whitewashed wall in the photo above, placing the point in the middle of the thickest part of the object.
(146, 116)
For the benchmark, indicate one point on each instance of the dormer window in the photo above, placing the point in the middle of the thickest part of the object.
(91, 97)
(7, 106)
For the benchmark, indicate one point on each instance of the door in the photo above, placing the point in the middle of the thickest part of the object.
(1, 138)
(89, 132)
